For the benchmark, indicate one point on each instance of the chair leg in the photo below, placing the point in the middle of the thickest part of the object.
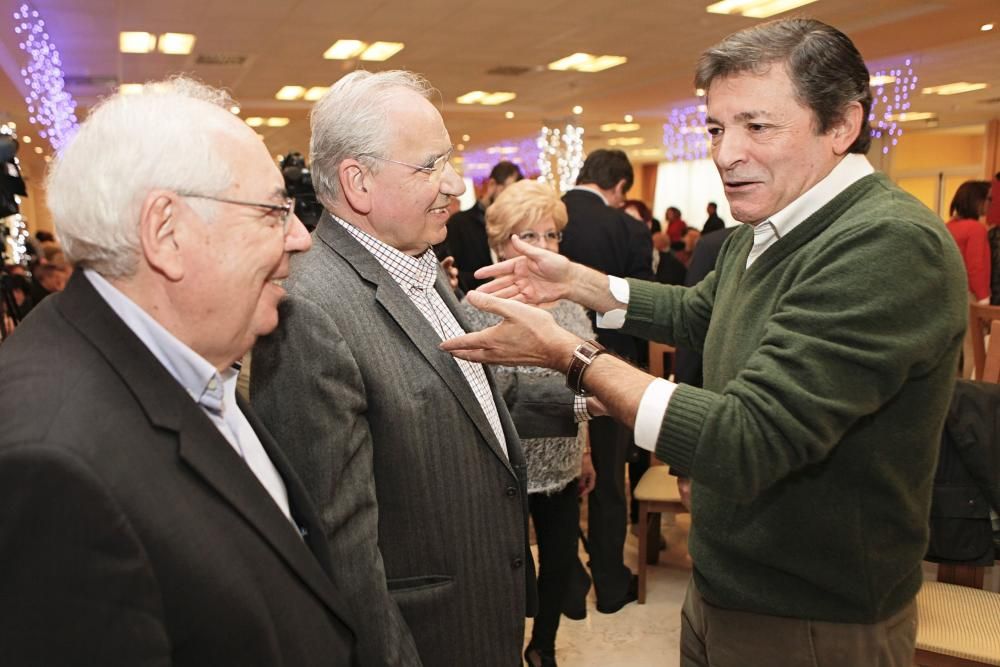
(652, 530)
(643, 539)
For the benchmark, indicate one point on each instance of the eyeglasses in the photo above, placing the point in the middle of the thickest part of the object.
(283, 210)
(434, 169)
(534, 237)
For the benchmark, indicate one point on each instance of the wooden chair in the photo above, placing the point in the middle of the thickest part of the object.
(991, 363)
(658, 353)
(980, 320)
(958, 626)
(657, 494)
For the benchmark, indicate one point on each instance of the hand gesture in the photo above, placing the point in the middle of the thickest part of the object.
(536, 276)
(528, 336)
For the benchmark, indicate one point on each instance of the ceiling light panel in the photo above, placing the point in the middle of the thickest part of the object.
(290, 93)
(881, 80)
(136, 42)
(176, 43)
(586, 62)
(619, 127)
(910, 116)
(758, 9)
(275, 121)
(316, 92)
(345, 49)
(954, 88)
(381, 51)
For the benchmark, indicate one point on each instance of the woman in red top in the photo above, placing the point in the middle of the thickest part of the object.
(967, 207)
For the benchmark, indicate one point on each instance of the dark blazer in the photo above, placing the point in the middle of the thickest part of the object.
(131, 532)
(468, 244)
(612, 242)
(417, 497)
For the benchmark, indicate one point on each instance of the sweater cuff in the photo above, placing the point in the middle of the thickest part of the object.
(682, 426)
(640, 301)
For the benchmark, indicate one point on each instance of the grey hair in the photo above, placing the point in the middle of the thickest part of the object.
(350, 122)
(825, 68)
(165, 137)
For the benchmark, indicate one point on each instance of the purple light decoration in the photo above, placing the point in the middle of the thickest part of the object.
(478, 164)
(684, 135)
(50, 105)
(890, 99)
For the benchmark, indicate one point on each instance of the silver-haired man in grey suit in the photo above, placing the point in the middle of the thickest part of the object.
(410, 454)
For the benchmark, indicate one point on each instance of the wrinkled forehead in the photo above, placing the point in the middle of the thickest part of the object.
(415, 123)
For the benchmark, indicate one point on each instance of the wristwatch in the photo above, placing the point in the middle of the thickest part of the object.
(583, 356)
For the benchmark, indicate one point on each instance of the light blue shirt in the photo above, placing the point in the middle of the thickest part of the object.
(214, 392)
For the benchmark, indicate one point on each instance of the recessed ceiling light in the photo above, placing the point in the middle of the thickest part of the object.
(176, 43)
(39, 149)
(986, 27)
(908, 116)
(316, 92)
(577, 110)
(465, 137)
(509, 115)
(130, 88)
(954, 88)
(628, 118)
(26, 139)
(758, 9)
(254, 121)
(136, 42)
(626, 141)
(48, 158)
(483, 97)
(234, 109)
(277, 121)
(586, 62)
(881, 80)
(290, 93)
(699, 92)
(460, 147)
(380, 51)
(345, 49)
(620, 127)
(471, 97)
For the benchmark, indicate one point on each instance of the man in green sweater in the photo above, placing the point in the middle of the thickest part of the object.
(831, 330)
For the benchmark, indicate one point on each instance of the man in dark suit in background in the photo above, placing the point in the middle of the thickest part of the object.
(149, 518)
(600, 235)
(466, 241)
(412, 457)
(713, 223)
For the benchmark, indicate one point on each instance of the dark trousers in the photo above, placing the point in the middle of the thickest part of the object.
(716, 637)
(638, 464)
(557, 526)
(607, 511)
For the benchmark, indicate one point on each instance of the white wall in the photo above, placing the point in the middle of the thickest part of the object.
(690, 186)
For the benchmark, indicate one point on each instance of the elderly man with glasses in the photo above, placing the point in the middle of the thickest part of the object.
(411, 454)
(150, 518)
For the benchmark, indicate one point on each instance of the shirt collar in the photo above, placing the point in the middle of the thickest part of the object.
(852, 168)
(198, 377)
(408, 271)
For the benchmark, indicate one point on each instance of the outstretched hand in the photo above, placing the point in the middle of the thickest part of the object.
(536, 276)
(527, 336)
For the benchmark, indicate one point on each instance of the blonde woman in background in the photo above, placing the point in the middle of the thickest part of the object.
(547, 415)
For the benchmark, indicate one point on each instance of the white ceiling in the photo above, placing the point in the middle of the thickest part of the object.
(455, 45)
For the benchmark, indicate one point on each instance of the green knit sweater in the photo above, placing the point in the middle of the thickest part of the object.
(829, 366)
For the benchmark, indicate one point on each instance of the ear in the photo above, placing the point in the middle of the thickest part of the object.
(158, 234)
(847, 129)
(355, 183)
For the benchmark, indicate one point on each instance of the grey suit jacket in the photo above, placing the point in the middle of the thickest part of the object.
(417, 498)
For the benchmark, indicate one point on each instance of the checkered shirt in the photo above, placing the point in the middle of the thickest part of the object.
(416, 277)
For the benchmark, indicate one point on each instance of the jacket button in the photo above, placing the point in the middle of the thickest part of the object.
(517, 563)
(511, 492)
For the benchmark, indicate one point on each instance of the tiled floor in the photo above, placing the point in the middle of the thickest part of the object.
(638, 635)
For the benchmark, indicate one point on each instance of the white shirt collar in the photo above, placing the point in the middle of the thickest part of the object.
(851, 169)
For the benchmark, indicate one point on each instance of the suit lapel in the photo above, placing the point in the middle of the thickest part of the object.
(421, 334)
(200, 445)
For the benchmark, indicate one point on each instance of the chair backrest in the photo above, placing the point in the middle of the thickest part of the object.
(980, 318)
(991, 365)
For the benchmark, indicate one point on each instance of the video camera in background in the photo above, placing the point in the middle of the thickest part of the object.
(298, 182)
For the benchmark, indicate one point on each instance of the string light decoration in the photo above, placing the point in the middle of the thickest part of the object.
(890, 98)
(50, 106)
(684, 134)
(478, 164)
(563, 147)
